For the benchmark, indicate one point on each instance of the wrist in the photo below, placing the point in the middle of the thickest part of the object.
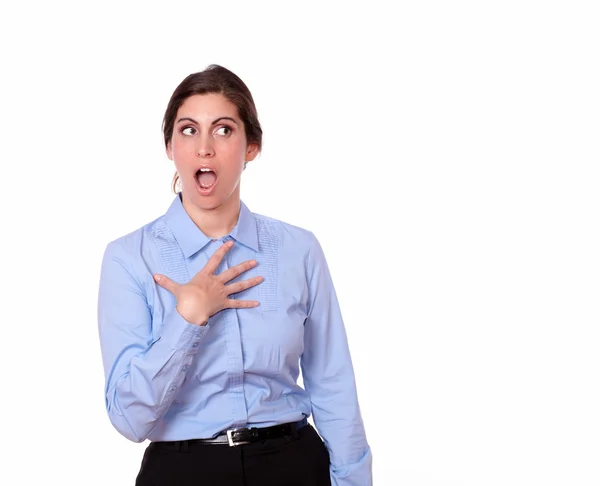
(192, 319)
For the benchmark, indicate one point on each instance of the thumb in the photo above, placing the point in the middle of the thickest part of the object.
(166, 283)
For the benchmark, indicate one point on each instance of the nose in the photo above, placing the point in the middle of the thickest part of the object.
(204, 147)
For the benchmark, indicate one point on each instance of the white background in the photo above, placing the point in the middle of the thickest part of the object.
(446, 156)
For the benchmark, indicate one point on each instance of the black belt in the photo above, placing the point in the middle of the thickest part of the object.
(243, 435)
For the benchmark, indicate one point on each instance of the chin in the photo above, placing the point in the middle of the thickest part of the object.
(206, 202)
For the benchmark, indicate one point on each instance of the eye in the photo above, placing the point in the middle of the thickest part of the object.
(224, 130)
(188, 130)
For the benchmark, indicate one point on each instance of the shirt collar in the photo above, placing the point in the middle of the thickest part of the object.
(191, 239)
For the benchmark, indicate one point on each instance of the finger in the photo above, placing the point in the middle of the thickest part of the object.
(213, 261)
(166, 283)
(234, 288)
(236, 270)
(241, 304)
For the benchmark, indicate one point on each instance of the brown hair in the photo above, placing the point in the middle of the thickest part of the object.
(214, 79)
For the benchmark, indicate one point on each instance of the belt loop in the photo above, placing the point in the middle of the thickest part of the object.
(295, 428)
(184, 446)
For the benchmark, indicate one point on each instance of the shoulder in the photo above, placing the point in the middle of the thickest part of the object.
(133, 244)
(288, 233)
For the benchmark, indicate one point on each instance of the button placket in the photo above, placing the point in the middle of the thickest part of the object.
(233, 341)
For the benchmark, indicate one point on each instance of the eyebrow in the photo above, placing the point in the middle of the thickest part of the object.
(213, 123)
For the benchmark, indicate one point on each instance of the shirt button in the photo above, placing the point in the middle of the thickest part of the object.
(195, 345)
(185, 368)
(172, 389)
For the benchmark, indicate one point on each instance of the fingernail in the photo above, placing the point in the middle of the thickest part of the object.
(157, 278)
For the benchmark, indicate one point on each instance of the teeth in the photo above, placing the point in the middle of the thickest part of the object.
(205, 169)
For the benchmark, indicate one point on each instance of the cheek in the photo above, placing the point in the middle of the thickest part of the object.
(180, 153)
(235, 153)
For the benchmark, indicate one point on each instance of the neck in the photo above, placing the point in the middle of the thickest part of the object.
(215, 222)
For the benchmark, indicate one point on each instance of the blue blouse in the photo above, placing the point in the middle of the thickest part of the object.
(167, 379)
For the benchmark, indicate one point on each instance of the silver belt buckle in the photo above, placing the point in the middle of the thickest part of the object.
(233, 443)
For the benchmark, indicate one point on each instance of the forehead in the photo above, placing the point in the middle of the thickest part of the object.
(207, 106)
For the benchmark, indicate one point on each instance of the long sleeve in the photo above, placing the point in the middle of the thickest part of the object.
(143, 374)
(329, 379)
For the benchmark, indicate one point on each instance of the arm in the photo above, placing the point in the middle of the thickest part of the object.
(329, 379)
(142, 375)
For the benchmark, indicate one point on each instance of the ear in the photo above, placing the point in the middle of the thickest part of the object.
(252, 151)
(169, 151)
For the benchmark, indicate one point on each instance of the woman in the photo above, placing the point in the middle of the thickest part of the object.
(207, 313)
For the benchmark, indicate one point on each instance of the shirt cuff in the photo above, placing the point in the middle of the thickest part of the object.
(357, 474)
(179, 334)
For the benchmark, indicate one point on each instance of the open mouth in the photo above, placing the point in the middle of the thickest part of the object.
(206, 177)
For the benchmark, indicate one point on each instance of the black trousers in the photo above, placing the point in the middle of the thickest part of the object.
(288, 461)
